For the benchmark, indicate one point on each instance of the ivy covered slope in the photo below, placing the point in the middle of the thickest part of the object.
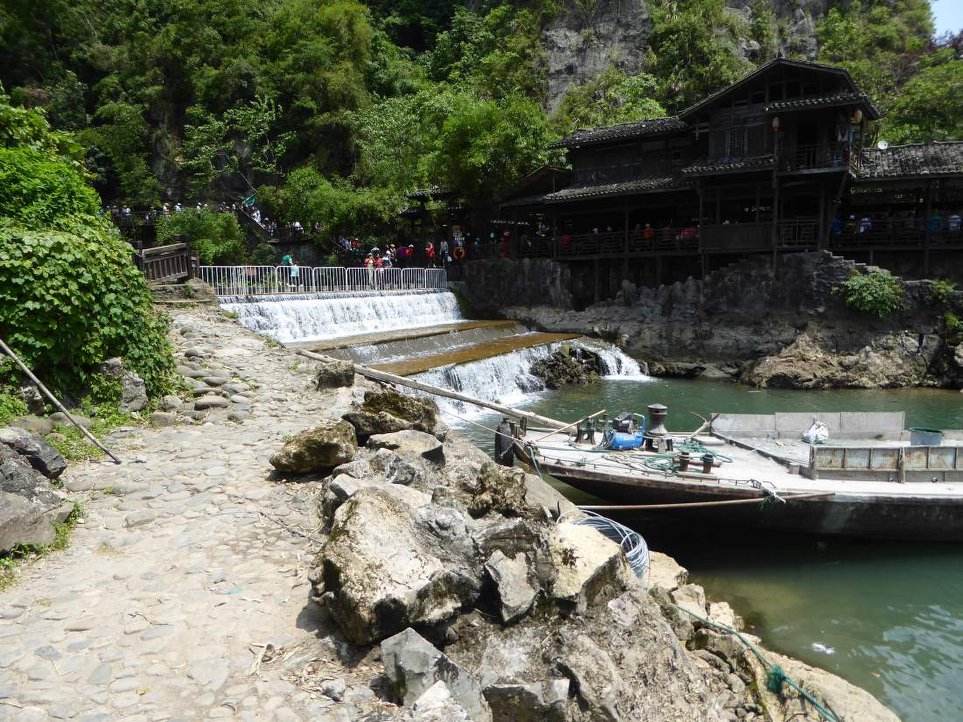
(70, 295)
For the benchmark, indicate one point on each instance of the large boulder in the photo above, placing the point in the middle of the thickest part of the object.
(133, 391)
(385, 412)
(509, 575)
(319, 449)
(414, 666)
(30, 508)
(333, 374)
(410, 443)
(393, 560)
(587, 567)
(38, 453)
(512, 492)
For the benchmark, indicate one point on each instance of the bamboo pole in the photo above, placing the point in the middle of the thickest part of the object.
(53, 399)
(402, 381)
(694, 504)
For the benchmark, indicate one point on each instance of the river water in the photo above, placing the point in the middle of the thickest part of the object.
(888, 617)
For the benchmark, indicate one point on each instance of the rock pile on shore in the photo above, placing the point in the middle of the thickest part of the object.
(489, 601)
(568, 365)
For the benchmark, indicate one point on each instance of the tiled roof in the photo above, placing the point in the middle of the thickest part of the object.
(826, 101)
(842, 73)
(639, 185)
(920, 159)
(534, 200)
(622, 131)
(731, 165)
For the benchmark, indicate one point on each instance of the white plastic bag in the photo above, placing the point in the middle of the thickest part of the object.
(818, 433)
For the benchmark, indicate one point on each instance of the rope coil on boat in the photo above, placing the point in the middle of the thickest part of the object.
(632, 544)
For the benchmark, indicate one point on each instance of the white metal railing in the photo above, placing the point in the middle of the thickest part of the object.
(273, 280)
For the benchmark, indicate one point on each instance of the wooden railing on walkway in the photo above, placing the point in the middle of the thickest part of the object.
(166, 264)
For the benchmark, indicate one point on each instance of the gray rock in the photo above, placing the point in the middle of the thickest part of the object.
(215, 380)
(59, 417)
(691, 598)
(37, 424)
(171, 403)
(587, 566)
(29, 506)
(163, 418)
(398, 469)
(32, 447)
(190, 372)
(510, 536)
(436, 704)
(410, 443)
(385, 412)
(239, 399)
(210, 402)
(340, 489)
(528, 702)
(510, 577)
(32, 397)
(391, 561)
(413, 665)
(238, 414)
(199, 388)
(334, 689)
(595, 677)
(334, 374)
(327, 445)
(133, 391)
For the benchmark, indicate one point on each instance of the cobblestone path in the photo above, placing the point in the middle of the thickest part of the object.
(183, 595)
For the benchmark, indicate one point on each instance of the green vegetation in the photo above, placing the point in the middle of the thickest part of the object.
(334, 110)
(941, 290)
(217, 237)
(11, 408)
(70, 296)
(878, 293)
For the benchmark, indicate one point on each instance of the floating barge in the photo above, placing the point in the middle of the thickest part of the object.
(872, 478)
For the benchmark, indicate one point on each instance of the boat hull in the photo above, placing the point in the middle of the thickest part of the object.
(903, 517)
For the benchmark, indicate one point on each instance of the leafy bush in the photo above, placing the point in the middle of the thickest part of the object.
(878, 293)
(70, 301)
(10, 408)
(941, 290)
(217, 237)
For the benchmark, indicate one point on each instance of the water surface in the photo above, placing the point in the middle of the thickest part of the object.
(888, 617)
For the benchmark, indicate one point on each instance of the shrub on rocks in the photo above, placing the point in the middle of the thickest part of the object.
(319, 449)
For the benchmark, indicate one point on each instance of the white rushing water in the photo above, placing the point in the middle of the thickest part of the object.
(308, 317)
(507, 379)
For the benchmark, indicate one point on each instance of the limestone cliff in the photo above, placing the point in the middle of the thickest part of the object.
(587, 37)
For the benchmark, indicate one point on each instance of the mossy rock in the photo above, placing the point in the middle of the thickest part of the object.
(318, 449)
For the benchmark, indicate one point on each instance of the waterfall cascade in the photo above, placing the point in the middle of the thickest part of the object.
(291, 318)
(507, 379)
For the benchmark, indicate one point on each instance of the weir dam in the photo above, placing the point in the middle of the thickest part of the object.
(417, 332)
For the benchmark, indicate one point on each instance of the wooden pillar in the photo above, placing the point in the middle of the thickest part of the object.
(625, 243)
(926, 229)
(775, 220)
(595, 293)
(555, 235)
(821, 228)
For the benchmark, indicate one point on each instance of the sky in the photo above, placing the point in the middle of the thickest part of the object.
(948, 15)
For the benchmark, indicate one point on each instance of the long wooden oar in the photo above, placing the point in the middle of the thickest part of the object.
(567, 426)
(53, 399)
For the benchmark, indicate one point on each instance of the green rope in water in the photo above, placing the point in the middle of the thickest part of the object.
(776, 677)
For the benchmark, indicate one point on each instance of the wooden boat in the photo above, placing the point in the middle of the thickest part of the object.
(869, 480)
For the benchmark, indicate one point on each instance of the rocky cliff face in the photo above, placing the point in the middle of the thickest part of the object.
(587, 38)
(787, 329)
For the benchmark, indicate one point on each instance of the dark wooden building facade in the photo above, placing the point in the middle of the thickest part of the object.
(774, 163)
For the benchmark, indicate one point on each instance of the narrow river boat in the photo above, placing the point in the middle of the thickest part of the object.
(871, 478)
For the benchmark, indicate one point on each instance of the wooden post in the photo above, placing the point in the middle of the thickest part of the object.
(625, 256)
(926, 229)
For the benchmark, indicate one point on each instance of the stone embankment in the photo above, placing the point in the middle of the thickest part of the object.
(338, 554)
(745, 323)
